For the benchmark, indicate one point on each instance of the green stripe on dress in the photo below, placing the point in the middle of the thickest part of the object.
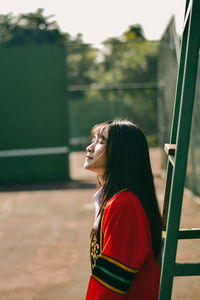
(113, 275)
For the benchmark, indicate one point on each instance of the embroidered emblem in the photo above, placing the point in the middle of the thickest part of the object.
(94, 249)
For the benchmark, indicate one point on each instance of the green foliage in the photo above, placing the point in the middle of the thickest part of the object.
(130, 61)
(82, 66)
(135, 32)
(102, 76)
(123, 60)
(31, 28)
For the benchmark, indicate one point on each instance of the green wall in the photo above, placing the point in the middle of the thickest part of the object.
(33, 114)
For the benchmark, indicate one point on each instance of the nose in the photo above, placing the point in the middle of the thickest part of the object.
(90, 148)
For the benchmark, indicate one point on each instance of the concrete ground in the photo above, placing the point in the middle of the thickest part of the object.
(44, 237)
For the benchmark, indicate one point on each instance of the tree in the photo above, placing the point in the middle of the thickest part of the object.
(82, 64)
(130, 58)
(31, 28)
(135, 32)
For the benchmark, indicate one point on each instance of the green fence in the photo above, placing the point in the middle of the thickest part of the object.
(167, 74)
(168, 56)
(117, 81)
(33, 114)
(140, 107)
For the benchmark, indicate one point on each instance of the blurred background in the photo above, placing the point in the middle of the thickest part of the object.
(63, 69)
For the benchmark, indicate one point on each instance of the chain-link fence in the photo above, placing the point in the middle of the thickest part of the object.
(168, 59)
(84, 114)
(122, 85)
(167, 73)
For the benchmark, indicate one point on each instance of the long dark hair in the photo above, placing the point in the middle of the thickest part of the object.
(128, 166)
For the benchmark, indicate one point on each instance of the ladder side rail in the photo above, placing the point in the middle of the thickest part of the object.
(179, 87)
(178, 178)
(187, 13)
(175, 118)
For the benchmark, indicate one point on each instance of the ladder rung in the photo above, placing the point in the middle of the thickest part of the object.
(187, 269)
(170, 149)
(184, 234)
(193, 233)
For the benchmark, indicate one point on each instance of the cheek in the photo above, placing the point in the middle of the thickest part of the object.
(99, 149)
(98, 164)
(100, 157)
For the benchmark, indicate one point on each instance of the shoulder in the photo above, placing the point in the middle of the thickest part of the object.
(125, 208)
(124, 200)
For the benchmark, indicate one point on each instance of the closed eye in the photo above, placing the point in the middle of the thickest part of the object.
(102, 139)
(99, 139)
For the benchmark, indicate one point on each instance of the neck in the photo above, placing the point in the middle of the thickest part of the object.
(100, 180)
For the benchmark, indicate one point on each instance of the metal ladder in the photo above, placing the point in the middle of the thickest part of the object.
(177, 151)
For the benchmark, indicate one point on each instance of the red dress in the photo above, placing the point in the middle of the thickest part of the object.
(122, 260)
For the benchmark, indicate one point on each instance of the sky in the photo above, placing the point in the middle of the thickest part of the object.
(98, 20)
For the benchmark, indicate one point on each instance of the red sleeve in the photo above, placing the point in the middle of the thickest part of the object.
(126, 244)
(97, 291)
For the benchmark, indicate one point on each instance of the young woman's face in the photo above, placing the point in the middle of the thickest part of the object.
(96, 158)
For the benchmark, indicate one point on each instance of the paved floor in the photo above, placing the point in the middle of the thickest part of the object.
(44, 237)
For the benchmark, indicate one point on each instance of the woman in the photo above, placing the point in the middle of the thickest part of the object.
(126, 237)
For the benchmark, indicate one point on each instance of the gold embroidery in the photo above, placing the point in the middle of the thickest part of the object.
(112, 288)
(95, 250)
(96, 241)
(113, 261)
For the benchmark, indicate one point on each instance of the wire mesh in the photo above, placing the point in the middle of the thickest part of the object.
(168, 58)
(119, 81)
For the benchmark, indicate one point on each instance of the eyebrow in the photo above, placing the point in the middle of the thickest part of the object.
(100, 135)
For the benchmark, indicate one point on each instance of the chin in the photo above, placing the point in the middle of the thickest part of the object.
(89, 168)
(86, 166)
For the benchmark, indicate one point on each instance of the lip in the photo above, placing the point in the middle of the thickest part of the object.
(88, 157)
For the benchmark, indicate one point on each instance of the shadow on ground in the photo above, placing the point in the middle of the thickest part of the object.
(62, 185)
